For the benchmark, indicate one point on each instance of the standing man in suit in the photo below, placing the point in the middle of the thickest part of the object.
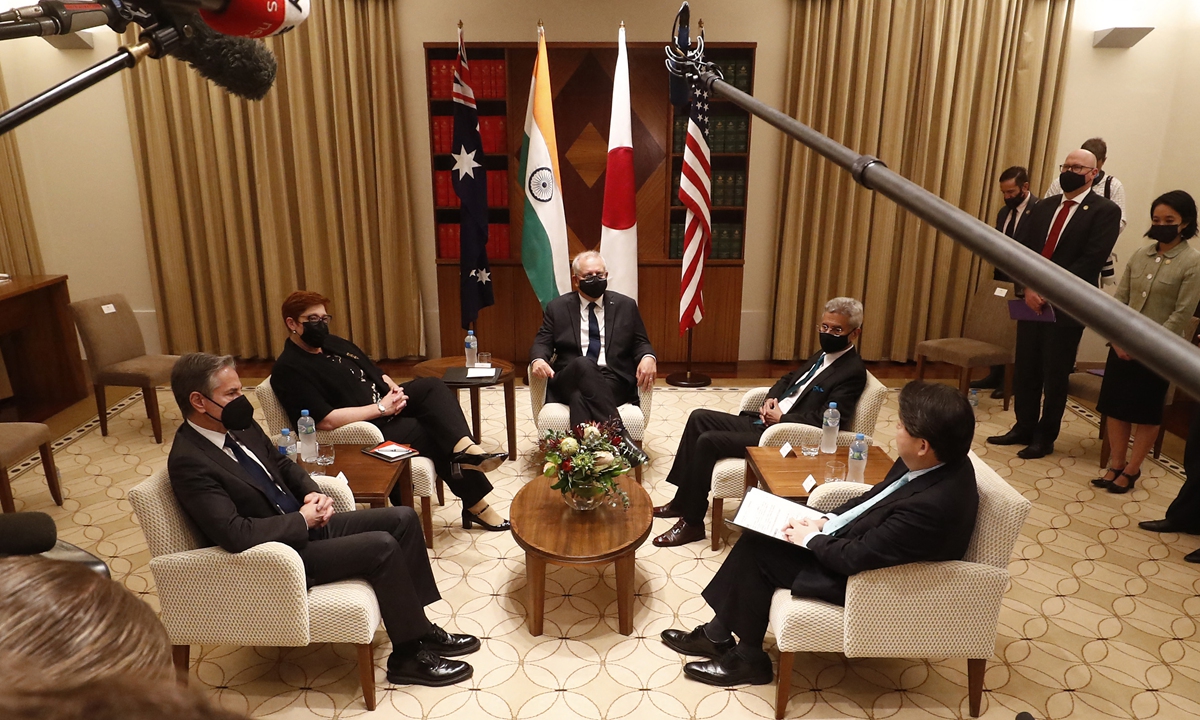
(1018, 202)
(601, 353)
(1183, 514)
(836, 374)
(1077, 231)
(241, 492)
(923, 511)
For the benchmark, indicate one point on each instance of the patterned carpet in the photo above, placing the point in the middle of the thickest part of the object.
(1100, 621)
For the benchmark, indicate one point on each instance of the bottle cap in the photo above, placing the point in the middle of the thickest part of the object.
(859, 436)
(303, 413)
(470, 332)
(285, 432)
(833, 406)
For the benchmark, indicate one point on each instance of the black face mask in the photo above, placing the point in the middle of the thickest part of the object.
(1014, 202)
(1070, 181)
(1163, 233)
(593, 286)
(237, 414)
(315, 333)
(831, 343)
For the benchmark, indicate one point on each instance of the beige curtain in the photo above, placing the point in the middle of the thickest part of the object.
(19, 254)
(948, 93)
(244, 202)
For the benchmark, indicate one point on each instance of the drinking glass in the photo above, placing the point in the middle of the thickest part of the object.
(835, 472)
(484, 360)
(810, 450)
(325, 454)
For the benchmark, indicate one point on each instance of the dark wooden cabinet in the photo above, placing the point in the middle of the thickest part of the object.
(581, 76)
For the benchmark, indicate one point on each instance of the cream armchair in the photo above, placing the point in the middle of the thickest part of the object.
(255, 597)
(729, 478)
(920, 610)
(424, 477)
(556, 416)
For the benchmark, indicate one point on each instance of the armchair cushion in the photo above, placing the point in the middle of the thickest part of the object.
(964, 352)
(805, 624)
(343, 612)
(144, 371)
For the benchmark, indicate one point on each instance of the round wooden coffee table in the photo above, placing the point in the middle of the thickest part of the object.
(437, 368)
(551, 532)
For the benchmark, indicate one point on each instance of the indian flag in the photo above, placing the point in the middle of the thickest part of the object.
(544, 236)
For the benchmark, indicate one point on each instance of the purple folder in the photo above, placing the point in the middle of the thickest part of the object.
(1018, 310)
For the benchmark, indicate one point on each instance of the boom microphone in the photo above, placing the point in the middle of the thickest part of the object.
(240, 65)
(677, 84)
(254, 18)
(27, 533)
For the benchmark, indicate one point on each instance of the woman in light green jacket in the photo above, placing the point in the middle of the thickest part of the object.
(1162, 282)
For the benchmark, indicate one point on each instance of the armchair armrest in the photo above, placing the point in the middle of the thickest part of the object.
(255, 597)
(343, 497)
(941, 609)
(754, 399)
(827, 497)
(537, 391)
(355, 433)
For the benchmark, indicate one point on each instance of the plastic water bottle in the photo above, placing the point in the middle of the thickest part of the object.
(307, 430)
(856, 467)
(286, 444)
(973, 398)
(471, 345)
(829, 429)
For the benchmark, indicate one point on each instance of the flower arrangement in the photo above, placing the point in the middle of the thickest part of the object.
(587, 462)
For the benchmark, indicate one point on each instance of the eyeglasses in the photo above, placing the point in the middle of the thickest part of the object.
(601, 275)
(1077, 169)
(834, 330)
(317, 318)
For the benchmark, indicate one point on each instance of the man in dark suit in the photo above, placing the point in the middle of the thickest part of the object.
(1183, 515)
(1018, 201)
(593, 348)
(241, 492)
(1077, 231)
(924, 510)
(834, 375)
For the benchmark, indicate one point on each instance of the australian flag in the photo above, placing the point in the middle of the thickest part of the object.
(470, 183)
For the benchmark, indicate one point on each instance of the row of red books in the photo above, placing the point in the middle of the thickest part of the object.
(450, 239)
(487, 78)
(493, 132)
(445, 197)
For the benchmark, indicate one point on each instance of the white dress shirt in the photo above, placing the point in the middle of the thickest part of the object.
(912, 475)
(218, 439)
(1116, 192)
(1078, 200)
(827, 359)
(585, 322)
(1016, 215)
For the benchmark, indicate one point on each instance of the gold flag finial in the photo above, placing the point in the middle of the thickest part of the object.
(702, 24)
(460, 24)
(622, 23)
(539, 24)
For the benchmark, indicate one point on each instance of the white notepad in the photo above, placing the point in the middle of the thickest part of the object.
(767, 514)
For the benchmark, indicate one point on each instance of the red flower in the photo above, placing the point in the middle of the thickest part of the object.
(565, 465)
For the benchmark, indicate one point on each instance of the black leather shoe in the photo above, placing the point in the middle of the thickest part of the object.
(483, 462)
(470, 520)
(681, 533)
(1012, 437)
(998, 394)
(986, 383)
(1193, 556)
(1159, 526)
(1116, 489)
(1035, 451)
(696, 643)
(665, 511)
(426, 668)
(440, 642)
(732, 669)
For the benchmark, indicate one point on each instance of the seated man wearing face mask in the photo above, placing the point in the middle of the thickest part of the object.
(836, 374)
(335, 381)
(598, 344)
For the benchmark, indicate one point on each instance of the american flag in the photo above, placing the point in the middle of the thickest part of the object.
(694, 190)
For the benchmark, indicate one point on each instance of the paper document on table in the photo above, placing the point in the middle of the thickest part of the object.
(484, 372)
(766, 514)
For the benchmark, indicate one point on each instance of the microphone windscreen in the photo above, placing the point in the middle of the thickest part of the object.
(27, 533)
(1024, 716)
(242, 66)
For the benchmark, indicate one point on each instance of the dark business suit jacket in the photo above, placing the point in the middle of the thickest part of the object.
(1002, 220)
(218, 495)
(625, 339)
(842, 382)
(1085, 243)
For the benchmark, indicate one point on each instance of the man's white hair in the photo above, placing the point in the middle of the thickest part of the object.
(848, 307)
(586, 255)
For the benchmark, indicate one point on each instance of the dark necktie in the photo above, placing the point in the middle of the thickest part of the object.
(593, 350)
(1010, 226)
(284, 500)
(812, 371)
(1056, 229)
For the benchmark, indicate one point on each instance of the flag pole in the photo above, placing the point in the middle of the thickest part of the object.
(687, 378)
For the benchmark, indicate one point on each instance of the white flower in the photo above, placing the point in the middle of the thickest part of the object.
(602, 459)
(591, 432)
(568, 447)
(550, 470)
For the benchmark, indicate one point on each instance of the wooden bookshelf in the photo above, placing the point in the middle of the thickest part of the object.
(581, 77)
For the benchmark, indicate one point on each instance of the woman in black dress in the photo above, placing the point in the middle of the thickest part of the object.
(338, 384)
(1162, 282)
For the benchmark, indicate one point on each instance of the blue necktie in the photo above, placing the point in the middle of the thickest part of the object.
(282, 499)
(593, 350)
(812, 371)
(834, 524)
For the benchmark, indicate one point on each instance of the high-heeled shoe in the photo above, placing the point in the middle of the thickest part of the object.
(1113, 487)
(470, 519)
(483, 462)
(1103, 482)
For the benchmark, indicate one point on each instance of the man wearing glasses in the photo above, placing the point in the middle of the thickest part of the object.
(835, 374)
(1077, 231)
(593, 349)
